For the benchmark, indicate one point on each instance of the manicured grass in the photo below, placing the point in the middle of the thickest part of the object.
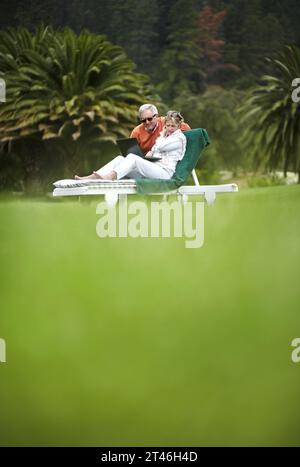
(123, 341)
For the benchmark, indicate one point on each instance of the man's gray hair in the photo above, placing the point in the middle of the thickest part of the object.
(150, 107)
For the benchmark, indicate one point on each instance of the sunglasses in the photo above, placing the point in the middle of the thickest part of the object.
(149, 119)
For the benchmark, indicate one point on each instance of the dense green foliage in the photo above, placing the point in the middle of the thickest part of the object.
(149, 32)
(272, 118)
(202, 58)
(216, 109)
(67, 96)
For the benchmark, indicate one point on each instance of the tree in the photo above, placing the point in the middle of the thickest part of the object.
(215, 110)
(209, 23)
(251, 32)
(180, 67)
(133, 24)
(193, 57)
(211, 45)
(67, 97)
(273, 135)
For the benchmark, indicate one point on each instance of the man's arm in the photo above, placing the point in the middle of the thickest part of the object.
(184, 126)
(135, 133)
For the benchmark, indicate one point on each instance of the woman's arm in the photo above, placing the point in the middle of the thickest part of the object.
(171, 143)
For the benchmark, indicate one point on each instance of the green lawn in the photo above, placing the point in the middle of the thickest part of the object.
(123, 341)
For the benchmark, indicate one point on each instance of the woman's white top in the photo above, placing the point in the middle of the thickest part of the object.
(171, 149)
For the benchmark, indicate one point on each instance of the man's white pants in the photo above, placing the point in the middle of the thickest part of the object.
(133, 166)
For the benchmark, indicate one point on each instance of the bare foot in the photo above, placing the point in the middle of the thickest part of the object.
(97, 175)
(93, 176)
(110, 176)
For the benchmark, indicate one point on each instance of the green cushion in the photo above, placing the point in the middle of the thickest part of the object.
(197, 140)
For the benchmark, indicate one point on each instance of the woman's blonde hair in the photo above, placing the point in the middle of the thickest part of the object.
(175, 113)
(173, 117)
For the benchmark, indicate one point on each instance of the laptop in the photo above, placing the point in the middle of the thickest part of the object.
(131, 145)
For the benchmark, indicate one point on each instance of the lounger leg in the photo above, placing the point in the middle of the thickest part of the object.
(210, 197)
(122, 198)
(185, 199)
(111, 198)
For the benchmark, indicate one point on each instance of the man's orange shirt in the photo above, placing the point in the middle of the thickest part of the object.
(147, 140)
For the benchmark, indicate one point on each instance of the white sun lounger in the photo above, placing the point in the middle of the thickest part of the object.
(113, 189)
(197, 140)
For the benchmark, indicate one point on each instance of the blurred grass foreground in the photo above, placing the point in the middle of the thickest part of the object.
(122, 341)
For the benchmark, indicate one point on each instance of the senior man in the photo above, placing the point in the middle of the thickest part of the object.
(146, 133)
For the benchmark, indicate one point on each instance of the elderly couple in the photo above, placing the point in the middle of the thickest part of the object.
(158, 137)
